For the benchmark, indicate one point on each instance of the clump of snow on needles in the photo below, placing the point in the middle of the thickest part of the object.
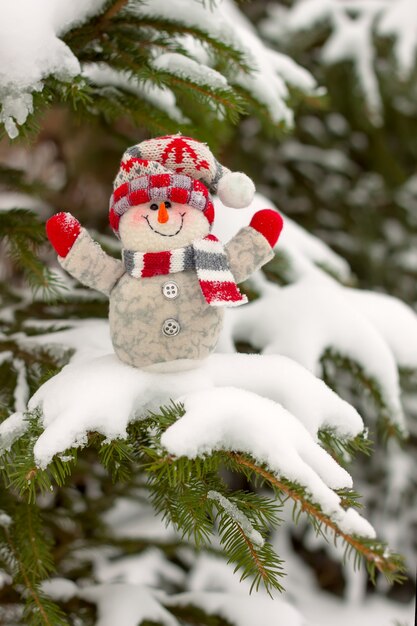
(353, 28)
(223, 21)
(160, 97)
(104, 394)
(233, 512)
(184, 67)
(243, 421)
(87, 395)
(332, 320)
(30, 50)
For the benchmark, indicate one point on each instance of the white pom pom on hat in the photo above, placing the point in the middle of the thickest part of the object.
(236, 190)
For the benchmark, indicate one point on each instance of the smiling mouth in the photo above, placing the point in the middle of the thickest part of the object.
(166, 234)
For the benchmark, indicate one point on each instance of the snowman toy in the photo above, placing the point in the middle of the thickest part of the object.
(167, 294)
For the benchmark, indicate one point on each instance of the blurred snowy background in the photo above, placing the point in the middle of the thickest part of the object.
(316, 101)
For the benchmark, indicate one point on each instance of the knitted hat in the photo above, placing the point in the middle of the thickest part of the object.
(176, 168)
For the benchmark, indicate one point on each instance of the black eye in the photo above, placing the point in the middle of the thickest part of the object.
(154, 207)
(168, 205)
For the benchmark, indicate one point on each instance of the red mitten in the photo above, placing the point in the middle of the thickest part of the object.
(269, 223)
(62, 230)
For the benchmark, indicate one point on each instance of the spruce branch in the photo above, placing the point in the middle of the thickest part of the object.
(181, 490)
(24, 234)
(387, 421)
(234, 56)
(29, 567)
(15, 179)
(112, 11)
(343, 449)
(373, 552)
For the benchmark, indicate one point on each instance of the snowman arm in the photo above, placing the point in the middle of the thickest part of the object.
(247, 251)
(87, 262)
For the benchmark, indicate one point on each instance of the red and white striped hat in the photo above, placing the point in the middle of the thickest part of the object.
(179, 169)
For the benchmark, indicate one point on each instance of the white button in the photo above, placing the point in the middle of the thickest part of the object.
(171, 327)
(170, 290)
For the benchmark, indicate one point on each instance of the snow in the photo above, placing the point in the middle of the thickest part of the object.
(211, 574)
(60, 589)
(351, 40)
(294, 241)
(325, 609)
(12, 200)
(87, 337)
(160, 97)
(293, 74)
(11, 429)
(309, 13)
(377, 611)
(304, 333)
(224, 22)
(129, 519)
(331, 159)
(119, 603)
(30, 50)
(21, 390)
(353, 25)
(130, 604)
(126, 604)
(399, 20)
(394, 320)
(280, 379)
(103, 394)
(179, 65)
(5, 520)
(149, 568)
(241, 609)
(232, 510)
(241, 421)
(107, 387)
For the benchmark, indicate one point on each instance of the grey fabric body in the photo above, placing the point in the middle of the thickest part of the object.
(139, 309)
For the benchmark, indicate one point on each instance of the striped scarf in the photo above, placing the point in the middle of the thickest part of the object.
(206, 256)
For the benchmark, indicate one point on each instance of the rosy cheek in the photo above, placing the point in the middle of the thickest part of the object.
(136, 217)
(179, 211)
(189, 217)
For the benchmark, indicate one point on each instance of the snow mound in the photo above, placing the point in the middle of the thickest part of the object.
(240, 609)
(103, 394)
(136, 519)
(280, 379)
(31, 50)
(240, 421)
(118, 603)
(130, 604)
(393, 319)
(332, 320)
(149, 568)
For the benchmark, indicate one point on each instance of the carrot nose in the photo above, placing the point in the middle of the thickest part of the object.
(162, 213)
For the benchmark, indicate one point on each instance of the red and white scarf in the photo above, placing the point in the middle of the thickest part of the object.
(206, 256)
